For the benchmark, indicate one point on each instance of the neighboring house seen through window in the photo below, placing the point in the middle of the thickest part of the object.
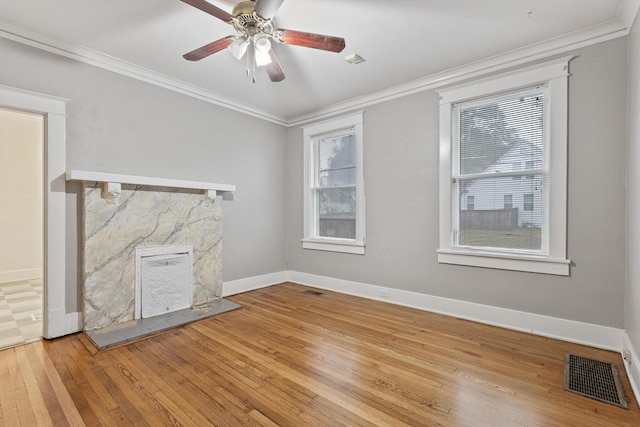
(494, 134)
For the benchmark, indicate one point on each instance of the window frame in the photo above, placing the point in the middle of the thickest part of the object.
(311, 134)
(554, 76)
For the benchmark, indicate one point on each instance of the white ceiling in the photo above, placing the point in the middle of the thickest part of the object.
(402, 40)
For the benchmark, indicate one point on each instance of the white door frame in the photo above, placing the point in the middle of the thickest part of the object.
(57, 321)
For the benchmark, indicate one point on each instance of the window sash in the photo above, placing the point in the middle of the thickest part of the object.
(325, 227)
(340, 224)
(328, 171)
(522, 167)
(490, 220)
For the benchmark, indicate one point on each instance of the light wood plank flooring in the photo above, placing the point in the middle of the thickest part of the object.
(31, 391)
(293, 359)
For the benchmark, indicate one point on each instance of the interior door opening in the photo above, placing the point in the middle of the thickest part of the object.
(21, 226)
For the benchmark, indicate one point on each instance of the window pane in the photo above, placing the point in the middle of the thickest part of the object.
(528, 202)
(508, 201)
(337, 212)
(505, 213)
(515, 166)
(502, 135)
(337, 161)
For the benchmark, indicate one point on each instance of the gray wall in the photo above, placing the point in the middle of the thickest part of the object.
(633, 194)
(121, 125)
(401, 178)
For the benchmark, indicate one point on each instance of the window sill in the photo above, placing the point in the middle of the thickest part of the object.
(532, 264)
(334, 246)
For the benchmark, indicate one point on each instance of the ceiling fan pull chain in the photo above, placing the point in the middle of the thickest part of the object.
(251, 59)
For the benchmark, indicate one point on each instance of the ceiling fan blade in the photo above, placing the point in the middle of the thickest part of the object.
(267, 8)
(316, 41)
(209, 49)
(274, 70)
(210, 9)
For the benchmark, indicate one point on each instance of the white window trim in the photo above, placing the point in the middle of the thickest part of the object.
(553, 74)
(310, 239)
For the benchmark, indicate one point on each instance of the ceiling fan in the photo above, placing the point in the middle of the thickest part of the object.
(253, 21)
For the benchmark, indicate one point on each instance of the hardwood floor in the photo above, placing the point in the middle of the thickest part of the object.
(31, 391)
(293, 359)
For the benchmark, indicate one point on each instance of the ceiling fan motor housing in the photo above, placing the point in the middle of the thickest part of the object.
(248, 23)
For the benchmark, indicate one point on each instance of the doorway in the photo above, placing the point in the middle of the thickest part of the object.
(21, 227)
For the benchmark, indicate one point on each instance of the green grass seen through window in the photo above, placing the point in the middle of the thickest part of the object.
(518, 238)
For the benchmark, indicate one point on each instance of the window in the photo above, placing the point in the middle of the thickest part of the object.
(471, 201)
(508, 201)
(334, 186)
(528, 202)
(493, 134)
(530, 165)
(515, 166)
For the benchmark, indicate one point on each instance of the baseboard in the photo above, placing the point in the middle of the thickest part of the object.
(17, 275)
(567, 330)
(631, 365)
(233, 287)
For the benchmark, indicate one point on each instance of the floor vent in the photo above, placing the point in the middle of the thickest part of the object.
(593, 378)
(310, 292)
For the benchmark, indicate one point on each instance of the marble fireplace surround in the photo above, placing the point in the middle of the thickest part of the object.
(122, 213)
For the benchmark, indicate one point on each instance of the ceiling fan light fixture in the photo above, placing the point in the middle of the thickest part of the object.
(262, 58)
(262, 46)
(238, 47)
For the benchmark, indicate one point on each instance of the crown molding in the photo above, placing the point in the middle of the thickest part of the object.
(613, 29)
(619, 27)
(18, 34)
(628, 12)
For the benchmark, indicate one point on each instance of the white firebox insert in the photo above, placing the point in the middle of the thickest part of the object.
(163, 279)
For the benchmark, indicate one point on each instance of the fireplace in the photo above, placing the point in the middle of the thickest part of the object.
(165, 230)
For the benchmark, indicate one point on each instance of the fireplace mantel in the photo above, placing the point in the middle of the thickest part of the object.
(112, 182)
